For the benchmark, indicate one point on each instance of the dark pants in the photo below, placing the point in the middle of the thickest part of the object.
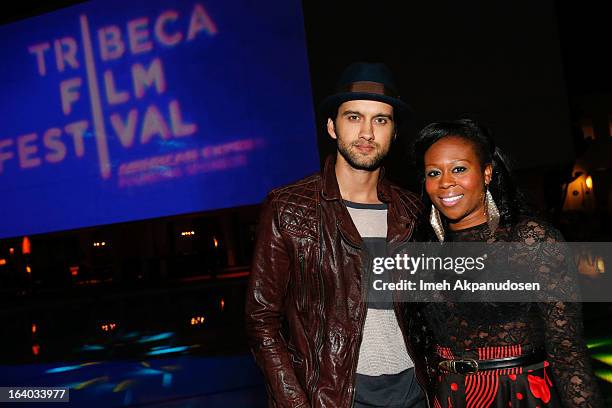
(393, 391)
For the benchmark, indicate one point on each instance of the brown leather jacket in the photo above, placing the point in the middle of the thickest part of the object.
(304, 308)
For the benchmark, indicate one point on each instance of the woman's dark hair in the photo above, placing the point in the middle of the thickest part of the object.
(508, 199)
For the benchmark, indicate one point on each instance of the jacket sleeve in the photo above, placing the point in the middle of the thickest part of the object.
(266, 294)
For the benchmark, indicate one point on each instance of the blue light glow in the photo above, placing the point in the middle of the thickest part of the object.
(167, 380)
(148, 371)
(127, 400)
(156, 337)
(91, 347)
(62, 369)
(168, 350)
(131, 335)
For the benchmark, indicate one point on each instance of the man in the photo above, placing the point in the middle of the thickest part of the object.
(313, 332)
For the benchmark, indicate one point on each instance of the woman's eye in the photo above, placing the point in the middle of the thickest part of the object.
(459, 169)
(433, 173)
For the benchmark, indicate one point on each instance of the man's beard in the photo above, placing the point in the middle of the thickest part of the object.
(359, 162)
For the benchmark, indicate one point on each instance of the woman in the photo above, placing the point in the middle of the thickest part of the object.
(528, 354)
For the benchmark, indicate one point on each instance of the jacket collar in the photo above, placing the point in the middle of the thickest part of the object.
(399, 222)
(331, 191)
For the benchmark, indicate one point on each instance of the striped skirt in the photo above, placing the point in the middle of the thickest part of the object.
(516, 387)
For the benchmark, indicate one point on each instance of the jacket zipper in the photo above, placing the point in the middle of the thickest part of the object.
(364, 311)
(302, 292)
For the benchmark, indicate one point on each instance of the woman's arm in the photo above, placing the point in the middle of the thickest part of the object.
(567, 354)
(551, 262)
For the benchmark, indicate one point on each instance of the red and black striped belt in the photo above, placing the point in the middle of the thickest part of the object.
(470, 366)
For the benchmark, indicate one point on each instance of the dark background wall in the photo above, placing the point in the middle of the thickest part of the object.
(499, 62)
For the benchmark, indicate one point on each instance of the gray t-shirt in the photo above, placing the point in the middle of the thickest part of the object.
(383, 369)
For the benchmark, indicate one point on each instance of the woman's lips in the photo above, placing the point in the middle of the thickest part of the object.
(450, 200)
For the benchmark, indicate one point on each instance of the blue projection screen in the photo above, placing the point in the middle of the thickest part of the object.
(119, 110)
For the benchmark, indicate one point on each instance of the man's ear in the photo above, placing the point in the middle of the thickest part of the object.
(331, 128)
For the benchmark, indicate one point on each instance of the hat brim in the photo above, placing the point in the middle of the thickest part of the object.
(402, 110)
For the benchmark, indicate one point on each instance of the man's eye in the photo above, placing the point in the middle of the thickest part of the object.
(353, 117)
(459, 169)
(433, 173)
(381, 121)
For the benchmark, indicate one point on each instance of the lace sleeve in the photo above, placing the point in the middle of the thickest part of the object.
(567, 354)
(564, 342)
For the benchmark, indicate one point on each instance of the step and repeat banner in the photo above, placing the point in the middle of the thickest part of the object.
(112, 111)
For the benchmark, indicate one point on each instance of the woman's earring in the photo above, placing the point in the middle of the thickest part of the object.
(491, 211)
(436, 223)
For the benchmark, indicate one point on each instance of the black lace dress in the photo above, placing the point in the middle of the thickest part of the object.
(497, 330)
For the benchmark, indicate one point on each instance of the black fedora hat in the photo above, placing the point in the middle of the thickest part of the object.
(369, 81)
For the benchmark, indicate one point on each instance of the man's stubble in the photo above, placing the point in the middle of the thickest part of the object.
(360, 162)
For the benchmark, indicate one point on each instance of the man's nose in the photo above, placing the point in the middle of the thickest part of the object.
(367, 130)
